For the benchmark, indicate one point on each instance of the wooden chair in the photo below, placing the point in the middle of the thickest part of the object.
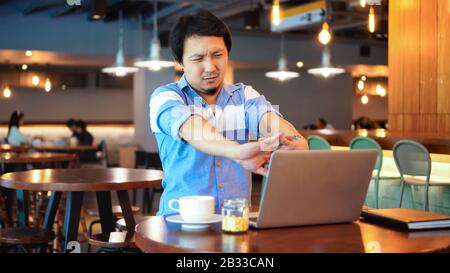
(26, 239)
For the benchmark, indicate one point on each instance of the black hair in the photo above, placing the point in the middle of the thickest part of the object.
(70, 122)
(202, 23)
(323, 121)
(15, 120)
(81, 124)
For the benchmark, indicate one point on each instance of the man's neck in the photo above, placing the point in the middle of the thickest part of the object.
(210, 99)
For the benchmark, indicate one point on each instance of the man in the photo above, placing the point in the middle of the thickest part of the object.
(203, 126)
(81, 133)
(321, 123)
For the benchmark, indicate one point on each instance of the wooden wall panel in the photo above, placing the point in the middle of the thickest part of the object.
(395, 122)
(428, 123)
(443, 92)
(395, 58)
(419, 65)
(443, 123)
(411, 122)
(411, 58)
(428, 56)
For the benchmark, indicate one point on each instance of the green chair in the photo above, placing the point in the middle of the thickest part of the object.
(414, 164)
(369, 143)
(318, 143)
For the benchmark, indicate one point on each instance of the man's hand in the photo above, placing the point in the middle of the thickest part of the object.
(291, 143)
(252, 156)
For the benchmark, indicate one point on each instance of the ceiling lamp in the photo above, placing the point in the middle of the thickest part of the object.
(324, 35)
(362, 3)
(276, 16)
(364, 99)
(371, 20)
(35, 80)
(98, 9)
(154, 62)
(119, 69)
(326, 70)
(282, 74)
(47, 85)
(7, 92)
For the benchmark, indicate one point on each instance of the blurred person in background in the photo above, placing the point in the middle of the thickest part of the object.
(14, 136)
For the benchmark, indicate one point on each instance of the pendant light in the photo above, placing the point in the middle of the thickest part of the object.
(119, 69)
(326, 70)
(282, 74)
(154, 62)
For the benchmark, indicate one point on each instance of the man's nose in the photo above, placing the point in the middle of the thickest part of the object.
(210, 65)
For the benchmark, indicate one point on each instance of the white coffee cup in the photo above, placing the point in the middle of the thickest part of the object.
(194, 208)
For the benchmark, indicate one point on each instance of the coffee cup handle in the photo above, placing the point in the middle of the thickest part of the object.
(171, 203)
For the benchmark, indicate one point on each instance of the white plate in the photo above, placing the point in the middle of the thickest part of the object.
(193, 224)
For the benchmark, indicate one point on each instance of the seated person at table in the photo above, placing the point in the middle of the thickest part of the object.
(71, 125)
(14, 136)
(82, 134)
(203, 126)
(321, 123)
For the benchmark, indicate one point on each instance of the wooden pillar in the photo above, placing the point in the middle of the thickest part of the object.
(419, 65)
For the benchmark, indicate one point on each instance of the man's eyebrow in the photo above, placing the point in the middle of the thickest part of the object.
(196, 55)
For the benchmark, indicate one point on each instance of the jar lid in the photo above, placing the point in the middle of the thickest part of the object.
(237, 202)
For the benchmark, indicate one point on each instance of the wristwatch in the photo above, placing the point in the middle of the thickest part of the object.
(297, 137)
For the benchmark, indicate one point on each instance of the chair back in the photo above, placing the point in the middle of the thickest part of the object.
(412, 158)
(102, 153)
(318, 143)
(368, 143)
(147, 160)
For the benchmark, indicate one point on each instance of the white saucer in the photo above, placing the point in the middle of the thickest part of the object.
(193, 224)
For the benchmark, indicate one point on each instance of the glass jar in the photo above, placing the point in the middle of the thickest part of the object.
(235, 215)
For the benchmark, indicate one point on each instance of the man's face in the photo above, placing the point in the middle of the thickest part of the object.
(205, 61)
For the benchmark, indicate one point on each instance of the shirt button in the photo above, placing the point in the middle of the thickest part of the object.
(218, 163)
(220, 185)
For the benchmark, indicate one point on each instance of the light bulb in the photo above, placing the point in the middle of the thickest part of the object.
(7, 92)
(364, 99)
(48, 85)
(300, 64)
(276, 13)
(360, 85)
(364, 78)
(363, 3)
(35, 80)
(24, 67)
(28, 53)
(324, 35)
(371, 20)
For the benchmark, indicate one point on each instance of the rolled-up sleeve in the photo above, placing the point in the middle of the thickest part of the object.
(168, 112)
(256, 106)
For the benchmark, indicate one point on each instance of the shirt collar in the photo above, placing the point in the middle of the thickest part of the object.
(226, 92)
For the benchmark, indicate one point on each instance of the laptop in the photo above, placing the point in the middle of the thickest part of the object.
(314, 187)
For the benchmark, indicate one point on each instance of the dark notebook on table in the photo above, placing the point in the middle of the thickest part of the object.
(405, 218)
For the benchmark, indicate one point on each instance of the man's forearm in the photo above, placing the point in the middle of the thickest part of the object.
(271, 124)
(202, 136)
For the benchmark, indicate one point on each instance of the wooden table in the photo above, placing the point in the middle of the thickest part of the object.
(17, 162)
(66, 149)
(30, 158)
(77, 181)
(6, 148)
(157, 235)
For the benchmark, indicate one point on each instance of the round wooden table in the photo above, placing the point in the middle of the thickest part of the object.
(77, 181)
(158, 235)
(29, 158)
(66, 149)
(6, 148)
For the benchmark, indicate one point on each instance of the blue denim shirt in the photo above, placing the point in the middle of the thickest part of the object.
(188, 171)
